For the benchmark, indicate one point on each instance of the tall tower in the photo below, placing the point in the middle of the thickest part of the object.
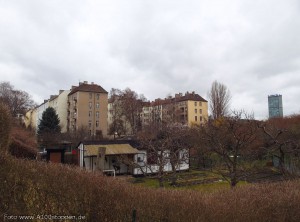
(275, 106)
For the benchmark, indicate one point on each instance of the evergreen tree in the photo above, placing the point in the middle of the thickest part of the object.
(49, 129)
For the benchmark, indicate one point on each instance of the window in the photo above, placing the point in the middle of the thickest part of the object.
(195, 103)
(200, 111)
(97, 105)
(91, 95)
(97, 114)
(90, 105)
(98, 96)
(200, 103)
(97, 123)
(90, 124)
(195, 110)
(200, 118)
(140, 159)
(196, 118)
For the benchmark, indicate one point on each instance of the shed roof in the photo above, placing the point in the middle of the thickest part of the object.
(111, 149)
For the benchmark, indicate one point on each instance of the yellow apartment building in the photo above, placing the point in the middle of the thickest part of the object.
(187, 109)
(31, 118)
(87, 108)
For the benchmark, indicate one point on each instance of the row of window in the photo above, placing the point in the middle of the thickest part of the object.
(91, 105)
(200, 103)
(91, 114)
(90, 124)
(200, 111)
(97, 96)
(196, 118)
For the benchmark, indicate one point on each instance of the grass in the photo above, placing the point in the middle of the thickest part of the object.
(189, 176)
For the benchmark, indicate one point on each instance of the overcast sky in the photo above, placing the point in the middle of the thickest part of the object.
(155, 47)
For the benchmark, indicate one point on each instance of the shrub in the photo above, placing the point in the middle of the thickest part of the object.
(4, 128)
(37, 188)
(23, 143)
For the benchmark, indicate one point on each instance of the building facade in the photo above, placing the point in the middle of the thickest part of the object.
(87, 109)
(60, 105)
(58, 102)
(187, 109)
(275, 106)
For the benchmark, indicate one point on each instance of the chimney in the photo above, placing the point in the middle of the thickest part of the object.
(52, 96)
(61, 91)
(92, 83)
(85, 82)
(73, 87)
(80, 83)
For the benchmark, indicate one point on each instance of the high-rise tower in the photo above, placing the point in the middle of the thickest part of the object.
(275, 106)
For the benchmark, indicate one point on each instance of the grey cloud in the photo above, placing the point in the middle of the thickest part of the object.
(155, 47)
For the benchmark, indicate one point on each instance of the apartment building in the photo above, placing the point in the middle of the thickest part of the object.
(60, 105)
(187, 109)
(58, 102)
(33, 117)
(87, 108)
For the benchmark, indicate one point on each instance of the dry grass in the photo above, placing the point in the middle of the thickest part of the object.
(35, 188)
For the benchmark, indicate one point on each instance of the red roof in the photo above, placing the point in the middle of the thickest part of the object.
(88, 88)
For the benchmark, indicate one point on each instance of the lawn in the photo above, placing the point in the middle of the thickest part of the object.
(206, 181)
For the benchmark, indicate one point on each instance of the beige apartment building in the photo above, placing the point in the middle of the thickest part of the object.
(60, 105)
(87, 109)
(58, 102)
(187, 109)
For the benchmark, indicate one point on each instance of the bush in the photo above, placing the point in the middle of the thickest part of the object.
(4, 128)
(37, 188)
(23, 143)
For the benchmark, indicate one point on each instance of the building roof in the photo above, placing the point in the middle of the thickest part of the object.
(84, 87)
(111, 149)
(178, 98)
(190, 96)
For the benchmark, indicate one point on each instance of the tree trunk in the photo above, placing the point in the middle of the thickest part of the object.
(233, 183)
(233, 179)
(161, 181)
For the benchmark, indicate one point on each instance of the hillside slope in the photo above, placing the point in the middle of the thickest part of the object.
(36, 188)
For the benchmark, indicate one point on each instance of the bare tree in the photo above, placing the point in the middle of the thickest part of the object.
(281, 140)
(233, 139)
(118, 125)
(126, 108)
(167, 150)
(219, 97)
(17, 101)
(132, 105)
